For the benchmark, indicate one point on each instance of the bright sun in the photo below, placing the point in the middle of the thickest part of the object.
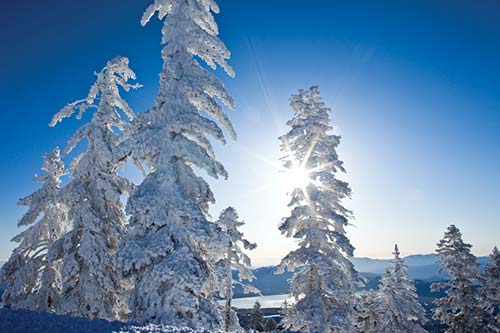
(298, 177)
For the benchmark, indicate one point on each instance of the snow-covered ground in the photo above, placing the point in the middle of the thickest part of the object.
(22, 321)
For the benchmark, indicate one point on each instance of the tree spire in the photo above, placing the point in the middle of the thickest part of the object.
(324, 284)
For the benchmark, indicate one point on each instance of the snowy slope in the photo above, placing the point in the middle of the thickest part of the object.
(21, 321)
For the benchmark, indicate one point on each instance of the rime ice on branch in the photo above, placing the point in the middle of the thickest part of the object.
(32, 276)
(369, 312)
(460, 309)
(91, 283)
(490, 291)
(400, 309)
(237, 260)
(324, 284)
(172, 250)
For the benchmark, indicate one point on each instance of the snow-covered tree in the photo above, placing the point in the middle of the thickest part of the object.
(402, 313)
(256, 321)
(31, 275)
(490, 291)
(270, 325)
(460, 309)
(235, 259)
(323, 285)
(172, 250)
(368, 312)
(91, 283)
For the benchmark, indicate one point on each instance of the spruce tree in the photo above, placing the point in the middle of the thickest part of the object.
(256, 317)
(490, 291)
(369, 312)
(460, 309)
(401, 311)
(91, 282)
(235, 260)
(324, 281)
(31, 274)
(172, 249)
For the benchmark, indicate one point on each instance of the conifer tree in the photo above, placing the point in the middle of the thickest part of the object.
(172, 249)
(324, 281)
(368, 312)
(235, 259)
(31, 274)
(490, 291)
(459, 309)
(91, 283)
(402, 313)
(257, 317)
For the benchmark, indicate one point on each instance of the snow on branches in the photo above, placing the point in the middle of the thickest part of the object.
(235, 259)
(31, 274)
(172, 249)
(91, 284)
(324, 284)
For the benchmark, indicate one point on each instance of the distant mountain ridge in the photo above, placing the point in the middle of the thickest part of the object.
(421, 267)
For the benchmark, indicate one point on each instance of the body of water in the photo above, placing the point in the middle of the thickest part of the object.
(271, 301)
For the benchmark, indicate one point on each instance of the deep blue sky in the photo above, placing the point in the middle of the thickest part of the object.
(414, 85)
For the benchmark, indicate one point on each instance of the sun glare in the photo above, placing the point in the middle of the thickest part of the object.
(298, 177)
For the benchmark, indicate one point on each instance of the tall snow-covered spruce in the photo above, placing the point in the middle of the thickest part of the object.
(235, 259)
(460, 309)
(324, 281)
(91, 283)
(490, 291)
(172, 249)
(400, 309)
(31, 275)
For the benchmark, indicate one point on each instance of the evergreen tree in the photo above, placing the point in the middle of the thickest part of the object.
(402, 313)
(323, 286)
(459, 309)
(490, 291)
(91, 282)
(256, 317)
(269, 325)
(369, 312)
(172, 249)
(31, 275)
(237, 260)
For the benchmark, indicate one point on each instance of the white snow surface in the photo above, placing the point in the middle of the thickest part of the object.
(23, 321)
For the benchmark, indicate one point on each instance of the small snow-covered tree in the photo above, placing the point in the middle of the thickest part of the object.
(460, 309)
(323, 285)
(402, 313)
(490, 291)
(235, 259)
(91, 283)
(270, 325)
(172, 249)
(368, 312)
(256, 317)
(31, 275)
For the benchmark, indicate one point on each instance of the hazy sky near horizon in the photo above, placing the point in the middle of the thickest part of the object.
(414, 87)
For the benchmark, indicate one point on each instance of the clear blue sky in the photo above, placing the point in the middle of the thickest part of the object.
(414, 85)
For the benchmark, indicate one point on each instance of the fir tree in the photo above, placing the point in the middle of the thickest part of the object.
(402, 313)
(91, 282)
(172, 249)
(269, 325)
(459, 309)
(490, 291)
(237, 260)
(31, 275)
(256, 317)
(369, 312)
(323, 286)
